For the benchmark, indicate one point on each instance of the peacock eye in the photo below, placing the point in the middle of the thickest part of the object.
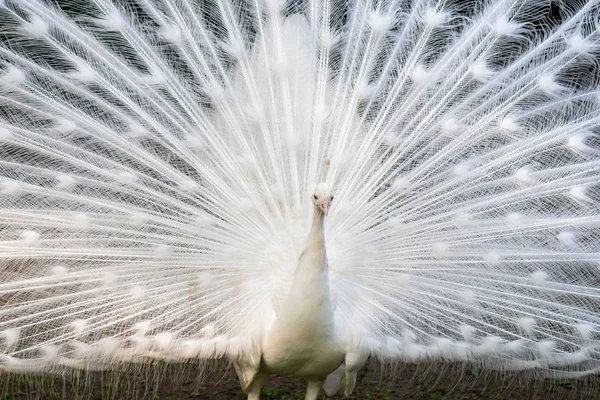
(314, 196)
(331, 199)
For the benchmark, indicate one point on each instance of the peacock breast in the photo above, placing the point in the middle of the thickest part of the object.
(302, 343)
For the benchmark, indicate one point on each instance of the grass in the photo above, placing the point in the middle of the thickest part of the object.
(376, 382)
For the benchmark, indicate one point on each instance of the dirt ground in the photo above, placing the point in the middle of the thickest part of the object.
(446, 381)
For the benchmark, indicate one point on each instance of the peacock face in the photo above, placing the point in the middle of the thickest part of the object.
(322, 198)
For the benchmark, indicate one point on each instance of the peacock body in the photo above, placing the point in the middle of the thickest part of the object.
(159, 158)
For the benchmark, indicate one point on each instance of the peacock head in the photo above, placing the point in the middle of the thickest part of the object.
(322, 198)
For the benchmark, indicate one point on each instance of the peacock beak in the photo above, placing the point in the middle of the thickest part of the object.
(325, 207)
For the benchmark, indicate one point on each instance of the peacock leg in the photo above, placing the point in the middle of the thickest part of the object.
(312, 391)
(354, 362)
(257, 383)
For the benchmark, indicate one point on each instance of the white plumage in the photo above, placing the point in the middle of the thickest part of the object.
(158, 159)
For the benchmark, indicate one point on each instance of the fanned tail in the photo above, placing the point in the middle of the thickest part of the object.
(471, 187)
(146, 189)
(157, 158)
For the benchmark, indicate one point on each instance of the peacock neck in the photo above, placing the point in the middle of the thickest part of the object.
(314, 256)
(310, 287)
(317, 231)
